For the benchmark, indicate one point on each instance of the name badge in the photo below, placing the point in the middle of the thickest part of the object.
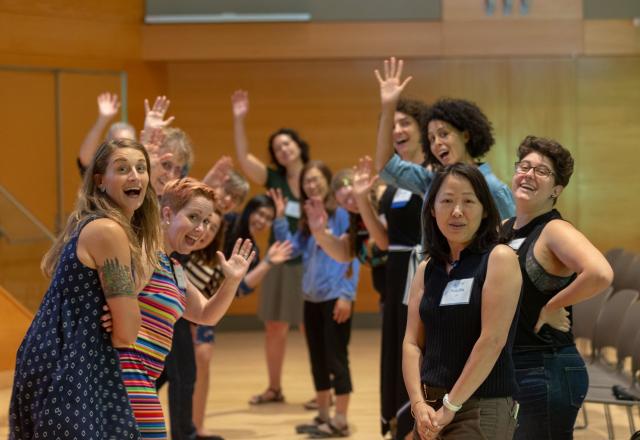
(400, 198)
(292, 209)
(516, 243)
(180, 277)
(457, 292)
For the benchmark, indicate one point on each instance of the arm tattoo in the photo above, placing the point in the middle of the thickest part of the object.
(116, 279)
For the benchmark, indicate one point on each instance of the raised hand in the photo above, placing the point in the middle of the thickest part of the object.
(363, 180)
(219, 172)
(558, 319)
(240, 103)
(108, 105)
(236, 267)
(278, 200)
(154, 117)
(317, 217)
(391, 85)
(279, 252)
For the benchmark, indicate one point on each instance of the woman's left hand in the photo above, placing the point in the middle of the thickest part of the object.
(342, 310)
(443, 418)
(558, 319)
(279, 252)
(236, 267)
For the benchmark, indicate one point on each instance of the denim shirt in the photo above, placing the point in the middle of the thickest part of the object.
(417, 179)
(324, 278)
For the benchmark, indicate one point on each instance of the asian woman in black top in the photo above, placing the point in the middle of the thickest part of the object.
(457, 349)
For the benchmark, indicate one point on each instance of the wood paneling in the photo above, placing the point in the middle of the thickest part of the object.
(608, 133)
(273, 41)
(512, 37)
(608, 37)
(538, 9)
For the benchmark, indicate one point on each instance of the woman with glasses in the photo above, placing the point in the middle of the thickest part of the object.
(560, 268)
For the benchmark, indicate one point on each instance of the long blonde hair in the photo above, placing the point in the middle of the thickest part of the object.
(143, 230)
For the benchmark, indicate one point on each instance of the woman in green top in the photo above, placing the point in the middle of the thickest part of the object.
(281, 296)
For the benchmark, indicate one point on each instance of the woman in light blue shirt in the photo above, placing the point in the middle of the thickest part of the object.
(329, 289)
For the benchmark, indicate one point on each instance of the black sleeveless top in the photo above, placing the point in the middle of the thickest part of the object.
(452, 330)
(538, 287)
(403, 219)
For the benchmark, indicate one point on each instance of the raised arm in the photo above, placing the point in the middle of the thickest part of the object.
(108, 106)
(154, 117)
(253, 167)
(337, 247)
(412, 348)
(278, 253)
(219, 172)
(363, 182)
(566, 244)
(104, 245)
(209, 312)
(500, 295)
(391, 87)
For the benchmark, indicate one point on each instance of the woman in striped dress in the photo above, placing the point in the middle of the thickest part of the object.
(186, 207)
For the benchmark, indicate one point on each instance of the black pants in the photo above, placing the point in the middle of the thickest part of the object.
(180, 372)
(327, 342)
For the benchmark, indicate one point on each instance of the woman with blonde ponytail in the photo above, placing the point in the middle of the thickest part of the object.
(68, 380)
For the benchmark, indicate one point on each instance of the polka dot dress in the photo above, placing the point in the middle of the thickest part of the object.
(68, 383)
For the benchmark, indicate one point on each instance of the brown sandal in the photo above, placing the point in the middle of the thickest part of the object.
(269, 396)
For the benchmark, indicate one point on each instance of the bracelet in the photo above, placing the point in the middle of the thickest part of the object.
(450, 406)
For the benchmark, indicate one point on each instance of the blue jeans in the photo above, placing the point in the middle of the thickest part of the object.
(552, 386)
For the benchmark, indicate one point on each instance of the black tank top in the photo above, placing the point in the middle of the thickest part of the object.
(403, 218)
(538, 287)
(451, 331)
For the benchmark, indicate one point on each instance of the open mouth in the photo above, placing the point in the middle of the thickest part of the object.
(401, 142)
(527, 187)
(443, 156)
(133, 192)
(190, 240)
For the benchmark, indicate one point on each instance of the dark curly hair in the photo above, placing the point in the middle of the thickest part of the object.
(295, 137)
(463, 115)
(557, 154)
(436, 244)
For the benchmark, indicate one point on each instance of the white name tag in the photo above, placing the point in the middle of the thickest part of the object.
(292, 209)
(457, 292)
(180, 277)
(400, 198)
(516, 243)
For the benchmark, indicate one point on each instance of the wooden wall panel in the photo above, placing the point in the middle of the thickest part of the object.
(15, 321)
(539, 9)
(289, 40)
(542, 102)
(607, 37)
(608, 133)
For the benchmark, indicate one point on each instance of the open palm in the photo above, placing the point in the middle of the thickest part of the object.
(236, 267)
(362, 179)
(391, 84)
(240, 103)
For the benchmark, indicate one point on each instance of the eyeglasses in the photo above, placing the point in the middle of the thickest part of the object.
(524, 166)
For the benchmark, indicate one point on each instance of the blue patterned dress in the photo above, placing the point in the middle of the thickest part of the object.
(68, 383)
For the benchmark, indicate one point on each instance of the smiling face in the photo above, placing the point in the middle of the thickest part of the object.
(406, 136)
(261, 219)
(285, 149)
(457, 211)
(164, 170)
(532, 190)
(184, 229)
(125, 179)
(215, 221)
(448, 144)
(315, 185)
(345, 198)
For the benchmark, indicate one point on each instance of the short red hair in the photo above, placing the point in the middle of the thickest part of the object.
(177, 193)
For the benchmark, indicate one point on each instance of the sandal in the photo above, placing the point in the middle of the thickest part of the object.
(329, 430)
(308, 428)
(269, 396)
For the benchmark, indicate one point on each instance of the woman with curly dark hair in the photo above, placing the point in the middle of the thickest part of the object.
(281, 298)
(453, 130)
(560, 268)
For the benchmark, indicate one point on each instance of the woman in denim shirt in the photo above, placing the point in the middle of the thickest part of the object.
(453, 130)
(329, 289)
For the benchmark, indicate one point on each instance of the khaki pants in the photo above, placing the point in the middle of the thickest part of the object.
(479, 418)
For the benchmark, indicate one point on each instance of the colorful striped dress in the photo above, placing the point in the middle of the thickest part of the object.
(161, 302)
